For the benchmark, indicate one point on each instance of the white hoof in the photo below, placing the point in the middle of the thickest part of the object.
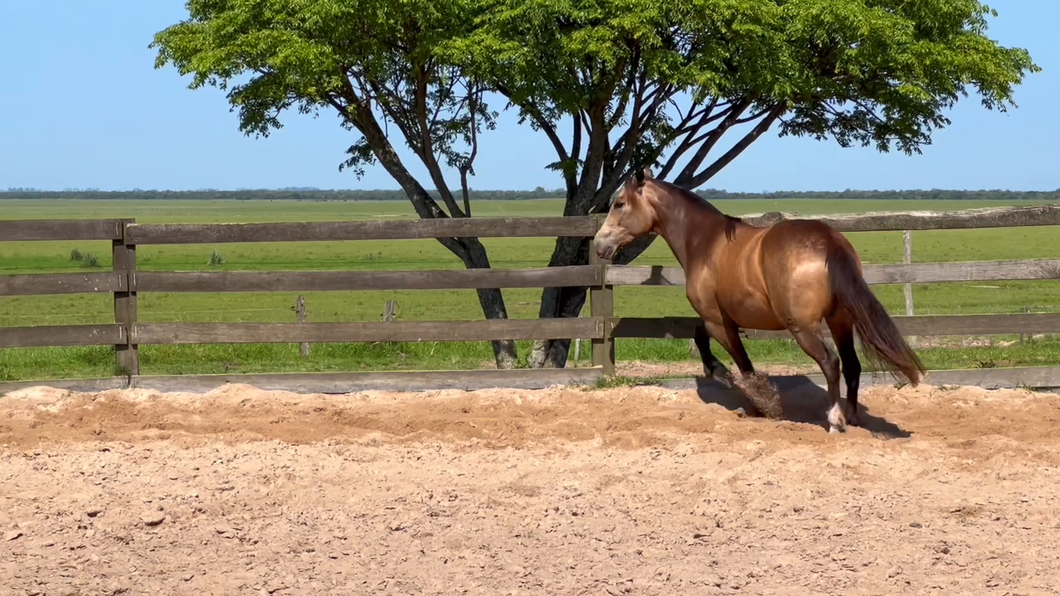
(837, 422)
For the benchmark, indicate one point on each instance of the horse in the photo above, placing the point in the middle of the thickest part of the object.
(791, 275)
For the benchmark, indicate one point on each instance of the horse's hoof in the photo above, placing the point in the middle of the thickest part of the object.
(853, 418)
(835, 430)
(720, 375)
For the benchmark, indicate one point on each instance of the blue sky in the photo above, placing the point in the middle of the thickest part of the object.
(83, 107)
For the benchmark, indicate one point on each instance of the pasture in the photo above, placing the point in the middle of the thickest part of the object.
(55, 257)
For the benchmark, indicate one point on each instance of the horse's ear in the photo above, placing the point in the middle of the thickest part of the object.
(638, 178)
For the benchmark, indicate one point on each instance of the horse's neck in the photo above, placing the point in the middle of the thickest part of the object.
(684, 225)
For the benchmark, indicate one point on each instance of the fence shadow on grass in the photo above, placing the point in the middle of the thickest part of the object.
(802, 400)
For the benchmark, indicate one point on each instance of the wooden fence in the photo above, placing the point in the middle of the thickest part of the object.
(601, 327)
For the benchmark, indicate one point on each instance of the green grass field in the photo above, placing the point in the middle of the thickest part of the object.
(55, 257)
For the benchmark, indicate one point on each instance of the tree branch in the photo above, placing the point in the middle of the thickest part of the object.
(465, 167)
(427, 156)
(683, 129)
(550, 132)
(689, 171)
(736, 149)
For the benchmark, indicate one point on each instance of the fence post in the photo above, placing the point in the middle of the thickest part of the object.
(300, 316)
(907, 289)
(127, 355)
(602, 304)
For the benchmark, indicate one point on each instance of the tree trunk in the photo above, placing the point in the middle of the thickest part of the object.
(470, 251)
(560, 302)
(492, 301)
(568, 302)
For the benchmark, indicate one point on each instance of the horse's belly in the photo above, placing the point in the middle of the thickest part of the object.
(762, 319)
(751, 312)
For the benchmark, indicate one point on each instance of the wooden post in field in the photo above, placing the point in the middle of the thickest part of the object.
(1026, 311)
(602, 304)
(300, 312)
(907, 289)
(578, 345)
(127, 353)
(389, 311)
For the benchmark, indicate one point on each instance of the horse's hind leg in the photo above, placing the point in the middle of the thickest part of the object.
(842, 327)
(712, 367)
(814, 345)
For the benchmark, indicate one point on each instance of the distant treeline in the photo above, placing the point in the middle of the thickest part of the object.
(512, 195)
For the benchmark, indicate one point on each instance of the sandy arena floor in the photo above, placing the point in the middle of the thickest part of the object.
(642, 491)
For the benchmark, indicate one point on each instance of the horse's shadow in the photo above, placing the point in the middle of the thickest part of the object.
(801, 399)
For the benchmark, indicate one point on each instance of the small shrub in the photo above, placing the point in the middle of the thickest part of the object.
(89, 261)
(216, 259)
(77, 255)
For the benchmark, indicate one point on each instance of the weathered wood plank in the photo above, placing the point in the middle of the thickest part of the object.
(483, 227)
(654, 275)
(335, 383)
(61, 335)
(41, 284)
(1031, 269)
(84, 385)
(340, 383)
(927, 325)
(602, 304)
(523, 329)
(990, 217)
(1031, 377)
(323, 281)
(59, 229)
(963, 271)
(1045, 377)
(126, 353)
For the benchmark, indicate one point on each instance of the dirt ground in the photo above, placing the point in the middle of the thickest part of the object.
(631, 491)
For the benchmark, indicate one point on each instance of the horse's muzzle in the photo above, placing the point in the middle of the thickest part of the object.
(605, 252)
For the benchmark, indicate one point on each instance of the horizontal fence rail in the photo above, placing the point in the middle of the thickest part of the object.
(62, 335)
(482, 227)
(59, 229)
(991, 217)
(323, 281)
(42, 284)
(601, 326)
(405, 331)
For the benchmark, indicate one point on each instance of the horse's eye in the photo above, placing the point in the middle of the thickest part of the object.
(619, 205)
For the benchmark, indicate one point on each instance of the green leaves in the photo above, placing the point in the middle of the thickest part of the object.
(861, 72)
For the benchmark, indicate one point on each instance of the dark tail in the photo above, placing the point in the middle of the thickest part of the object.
(881, 341)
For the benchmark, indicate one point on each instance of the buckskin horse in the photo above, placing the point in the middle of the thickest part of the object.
(791, 275)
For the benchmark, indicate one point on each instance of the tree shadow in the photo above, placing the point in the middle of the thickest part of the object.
(801, 400)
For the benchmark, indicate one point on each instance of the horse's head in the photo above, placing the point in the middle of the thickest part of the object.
(631, 216)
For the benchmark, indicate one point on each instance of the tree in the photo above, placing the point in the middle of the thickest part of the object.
(661, 82)
(613, 84)
(374, 63)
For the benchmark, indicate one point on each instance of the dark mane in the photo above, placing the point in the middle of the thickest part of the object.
(731, 222)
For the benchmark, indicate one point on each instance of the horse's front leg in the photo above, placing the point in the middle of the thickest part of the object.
(728, 335)
(712, 367)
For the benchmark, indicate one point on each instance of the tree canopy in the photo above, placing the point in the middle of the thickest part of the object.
(613, 84)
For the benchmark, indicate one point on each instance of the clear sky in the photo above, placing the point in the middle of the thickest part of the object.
(81, 106)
